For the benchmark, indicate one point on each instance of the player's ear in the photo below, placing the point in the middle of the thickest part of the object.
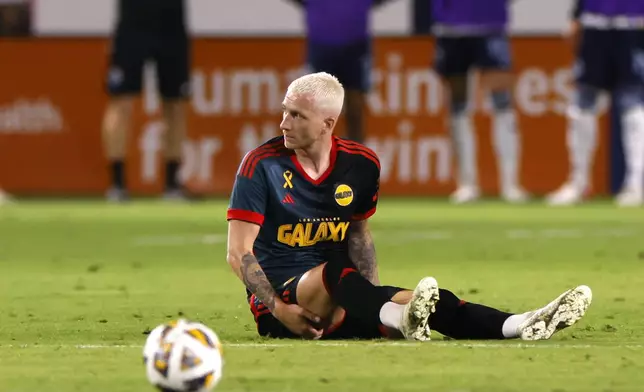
(329, 124)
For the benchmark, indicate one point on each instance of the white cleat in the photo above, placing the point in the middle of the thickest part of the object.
(116, 195)
(561, 313)
(5, 198)
(465, 194)
(567, 195)
(175, 195)
(414, 325)
(630, 198)
(515, 195)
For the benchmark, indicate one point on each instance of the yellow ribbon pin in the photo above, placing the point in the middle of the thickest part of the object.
(288, 176)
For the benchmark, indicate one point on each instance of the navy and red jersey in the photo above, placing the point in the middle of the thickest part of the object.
(302, 220)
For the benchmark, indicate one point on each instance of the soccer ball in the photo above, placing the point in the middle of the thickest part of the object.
(183, 356)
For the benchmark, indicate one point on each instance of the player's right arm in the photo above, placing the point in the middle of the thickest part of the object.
(241, 236)
(245, 217)
(240, 257)
(248, 204)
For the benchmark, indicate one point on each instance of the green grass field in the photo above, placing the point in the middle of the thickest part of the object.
(80, 283)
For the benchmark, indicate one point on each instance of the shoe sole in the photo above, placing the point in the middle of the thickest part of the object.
(565, 311)
(422, 305)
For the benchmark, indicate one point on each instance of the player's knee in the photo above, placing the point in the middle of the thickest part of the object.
(313, 293)
(632, 108)
(501, 100)
(586, 98)
(448, 299)
(458, 103)
(122, 106)
(458, 94)
(629, 98)
(396, 294)
(117, 116)
(446, 309)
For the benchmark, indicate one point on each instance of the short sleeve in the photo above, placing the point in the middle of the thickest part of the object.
(249, 196)
(368, 199)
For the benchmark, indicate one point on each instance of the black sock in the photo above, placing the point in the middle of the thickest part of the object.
(118, 174)
(350, 290)
(463, 320)
(171, 174)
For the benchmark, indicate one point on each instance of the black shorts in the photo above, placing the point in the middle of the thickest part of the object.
(351, 64)
(455, 56)
(607, 59)
(130, 51)
(348, 328)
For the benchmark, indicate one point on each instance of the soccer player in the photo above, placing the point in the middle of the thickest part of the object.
(610, 56)
(339, 42)
(472, 35)
(299, 241)
(147, 30)
(15, 18)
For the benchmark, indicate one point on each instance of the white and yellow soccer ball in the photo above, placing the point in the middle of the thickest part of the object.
(183, 356)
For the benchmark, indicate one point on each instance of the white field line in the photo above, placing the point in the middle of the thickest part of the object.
(179, 239)
(558, 233)
(343, 344)
(403, 236)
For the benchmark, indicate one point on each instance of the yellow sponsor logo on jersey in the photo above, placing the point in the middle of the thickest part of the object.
(343, 195)
(309, 234)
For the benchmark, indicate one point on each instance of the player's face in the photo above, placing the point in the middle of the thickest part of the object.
(302, 123)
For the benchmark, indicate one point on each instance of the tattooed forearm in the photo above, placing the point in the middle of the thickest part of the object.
(362, 252)
(256, 281)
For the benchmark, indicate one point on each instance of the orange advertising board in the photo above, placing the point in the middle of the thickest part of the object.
(52, 99)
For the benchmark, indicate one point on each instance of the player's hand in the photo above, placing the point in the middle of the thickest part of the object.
(572, 33)
(298, 320)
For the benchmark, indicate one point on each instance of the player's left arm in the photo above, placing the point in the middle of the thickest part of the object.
(362, 250)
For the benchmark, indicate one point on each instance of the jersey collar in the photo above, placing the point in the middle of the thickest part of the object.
(327, 172)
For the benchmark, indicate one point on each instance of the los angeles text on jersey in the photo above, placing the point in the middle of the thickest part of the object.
(309, 232)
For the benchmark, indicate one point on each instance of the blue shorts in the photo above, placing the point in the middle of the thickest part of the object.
(455, 56)
(607, 59)
(351, 64)
(348, 328)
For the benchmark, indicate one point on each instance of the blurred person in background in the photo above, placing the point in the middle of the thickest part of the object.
(609, 40)
(339, 42)
(147, 30)
(472, 34)
(15, 21)
(15, 18)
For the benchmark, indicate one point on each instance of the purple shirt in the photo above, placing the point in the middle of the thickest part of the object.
(470, 15)
(338, 22)
(614, 7)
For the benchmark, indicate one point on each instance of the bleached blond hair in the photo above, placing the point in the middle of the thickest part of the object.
(325, 89)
